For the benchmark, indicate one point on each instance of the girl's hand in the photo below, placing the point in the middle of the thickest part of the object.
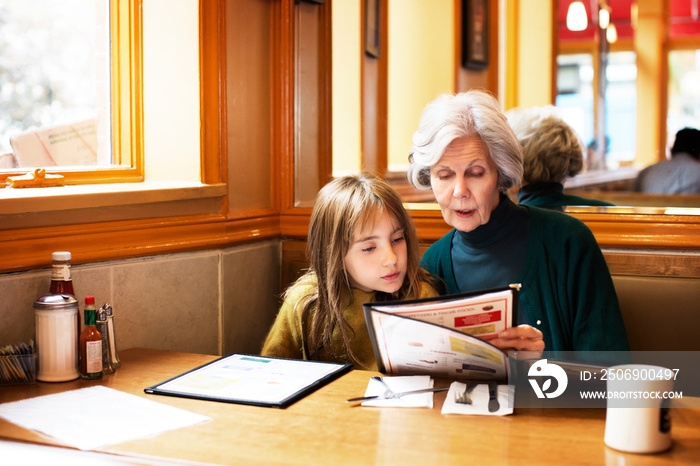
(521, 338)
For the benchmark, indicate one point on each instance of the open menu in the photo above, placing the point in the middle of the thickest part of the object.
(252, 380)
(444, 336)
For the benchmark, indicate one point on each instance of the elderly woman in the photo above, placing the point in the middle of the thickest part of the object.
(467, 153)
(552, 152)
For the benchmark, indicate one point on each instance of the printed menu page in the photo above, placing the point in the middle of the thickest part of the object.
(484, 315)
(255, 380)
(404, 346)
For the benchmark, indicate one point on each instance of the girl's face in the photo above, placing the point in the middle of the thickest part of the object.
(377, 257)
(465, 184)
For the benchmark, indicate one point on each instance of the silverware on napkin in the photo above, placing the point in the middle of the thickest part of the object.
(464, 398)
(394, 395)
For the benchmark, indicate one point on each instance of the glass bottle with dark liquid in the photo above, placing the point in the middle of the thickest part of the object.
(61, 278)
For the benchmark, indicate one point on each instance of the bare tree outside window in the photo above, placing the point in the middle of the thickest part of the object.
(54, 83)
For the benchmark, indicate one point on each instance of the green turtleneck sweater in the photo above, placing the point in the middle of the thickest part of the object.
(286, 339)
(552, 195)
(567, 290)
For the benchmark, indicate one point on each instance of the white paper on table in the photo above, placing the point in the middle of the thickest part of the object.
(89, 418)
(401, 384)
(480, 400)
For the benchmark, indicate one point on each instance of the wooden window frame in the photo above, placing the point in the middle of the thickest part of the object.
(126, 107)
(99, 222)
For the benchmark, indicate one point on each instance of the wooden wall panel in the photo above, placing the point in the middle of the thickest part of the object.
(249, 104)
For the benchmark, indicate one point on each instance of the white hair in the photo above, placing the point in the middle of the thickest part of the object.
(472, 113)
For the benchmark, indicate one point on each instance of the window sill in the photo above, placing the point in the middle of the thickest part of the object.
(108, 222)
(14, 201)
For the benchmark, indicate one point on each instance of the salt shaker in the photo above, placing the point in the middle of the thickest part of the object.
(56, 337)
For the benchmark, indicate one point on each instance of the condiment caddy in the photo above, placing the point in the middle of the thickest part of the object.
(63, 352)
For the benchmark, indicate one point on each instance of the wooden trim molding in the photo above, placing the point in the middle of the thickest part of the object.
(642, 230)
(212, 69)
(650, 264)
(620, 262)
(128, 239)
(612, 230)
(282, 33)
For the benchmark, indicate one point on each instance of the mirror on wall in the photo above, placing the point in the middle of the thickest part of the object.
(609, 131)
(606, 82)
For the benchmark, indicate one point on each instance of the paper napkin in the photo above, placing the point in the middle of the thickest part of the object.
(402, 384)
(480, 400)
(90, 418)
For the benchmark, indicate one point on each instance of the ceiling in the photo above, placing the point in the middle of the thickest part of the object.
(684, 21)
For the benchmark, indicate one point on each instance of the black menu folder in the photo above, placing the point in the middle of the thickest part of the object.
(252, 380)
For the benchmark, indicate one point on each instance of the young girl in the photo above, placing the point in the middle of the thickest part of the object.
(362, 247)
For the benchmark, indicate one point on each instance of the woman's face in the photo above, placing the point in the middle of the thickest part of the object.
(465, 183)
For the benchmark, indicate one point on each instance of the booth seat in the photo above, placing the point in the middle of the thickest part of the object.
(660, 313)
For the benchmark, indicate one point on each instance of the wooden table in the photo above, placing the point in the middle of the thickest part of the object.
(324, 428)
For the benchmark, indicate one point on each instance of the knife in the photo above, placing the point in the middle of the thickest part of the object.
(392, 396)
(494, 405)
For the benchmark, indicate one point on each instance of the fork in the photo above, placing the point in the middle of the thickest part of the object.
(464, 398)
(388, 392)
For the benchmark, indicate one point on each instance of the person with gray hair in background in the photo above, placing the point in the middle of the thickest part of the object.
(466, 152)
(552, 152)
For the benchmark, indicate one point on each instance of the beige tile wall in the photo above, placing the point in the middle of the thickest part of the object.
(212, 302)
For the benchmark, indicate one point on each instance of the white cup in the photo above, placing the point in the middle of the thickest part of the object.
(637, 417)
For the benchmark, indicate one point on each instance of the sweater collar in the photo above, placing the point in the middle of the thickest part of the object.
(535, 190)
(362, 296)
(503, 221)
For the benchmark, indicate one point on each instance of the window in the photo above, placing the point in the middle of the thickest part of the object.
(179, 206)
(621, 108)
(576, 96)
(70, 87)
(683, 92)
(575, 92)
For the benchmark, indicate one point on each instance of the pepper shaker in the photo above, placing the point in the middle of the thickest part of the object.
(114, 357)
(101, 324)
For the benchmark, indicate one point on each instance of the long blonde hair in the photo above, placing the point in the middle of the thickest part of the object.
(342, 206)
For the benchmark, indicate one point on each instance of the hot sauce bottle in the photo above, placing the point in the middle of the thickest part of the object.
(90, 344)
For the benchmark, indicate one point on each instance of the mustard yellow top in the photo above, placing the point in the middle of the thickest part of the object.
(285, 338)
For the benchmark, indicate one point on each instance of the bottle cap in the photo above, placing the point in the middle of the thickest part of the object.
(51, 302)
(61, 256)
(89, 300)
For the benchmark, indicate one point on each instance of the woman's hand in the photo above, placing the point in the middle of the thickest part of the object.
(521, 338)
